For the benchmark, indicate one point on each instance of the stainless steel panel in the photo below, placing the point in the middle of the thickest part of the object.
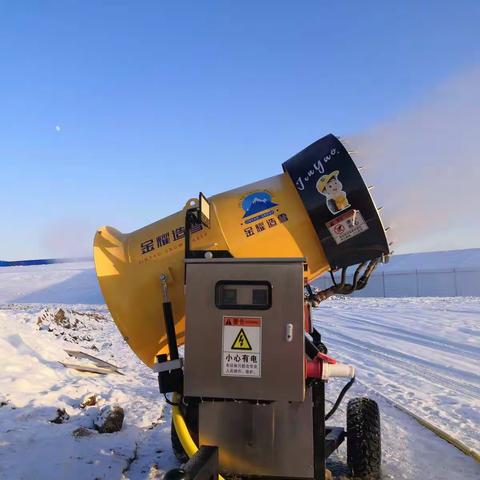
(282, 369)
(265, 440)
(247, 260)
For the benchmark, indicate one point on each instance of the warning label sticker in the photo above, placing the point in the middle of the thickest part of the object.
(241, 342)
(242, 346)
(346, 226)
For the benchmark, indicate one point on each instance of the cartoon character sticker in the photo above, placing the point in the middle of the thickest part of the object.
(331, 187)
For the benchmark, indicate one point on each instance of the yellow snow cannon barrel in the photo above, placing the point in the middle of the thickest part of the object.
(319, 209)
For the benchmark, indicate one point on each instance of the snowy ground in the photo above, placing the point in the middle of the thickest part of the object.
(54, 283)
(421, 353)
(34, 385)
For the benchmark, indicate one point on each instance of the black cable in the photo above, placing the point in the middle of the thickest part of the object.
(357, 272)
(344, 275)
(310, 295)
(366, 275)
(173, 404)
(339, 399)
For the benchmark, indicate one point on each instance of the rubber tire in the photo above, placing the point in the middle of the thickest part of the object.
(364, 446)
(177, 448)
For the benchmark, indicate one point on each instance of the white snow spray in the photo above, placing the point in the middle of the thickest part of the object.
(425, 168)
(68, 237)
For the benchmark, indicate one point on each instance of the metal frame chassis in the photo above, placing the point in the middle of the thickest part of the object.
(204, 464)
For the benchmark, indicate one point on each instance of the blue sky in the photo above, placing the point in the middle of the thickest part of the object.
(158, 100)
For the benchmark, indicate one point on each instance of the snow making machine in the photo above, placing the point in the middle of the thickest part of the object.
(229, 277)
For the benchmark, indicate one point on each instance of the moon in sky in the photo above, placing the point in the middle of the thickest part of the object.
(57, 128)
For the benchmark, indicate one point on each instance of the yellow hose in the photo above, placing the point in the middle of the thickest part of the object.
(182, 431)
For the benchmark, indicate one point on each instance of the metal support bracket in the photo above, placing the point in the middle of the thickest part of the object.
(318, 397)
(170, 373)
(168, 365)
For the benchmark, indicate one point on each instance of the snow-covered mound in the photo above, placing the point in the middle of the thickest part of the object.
(49, 415)
(56, 283)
